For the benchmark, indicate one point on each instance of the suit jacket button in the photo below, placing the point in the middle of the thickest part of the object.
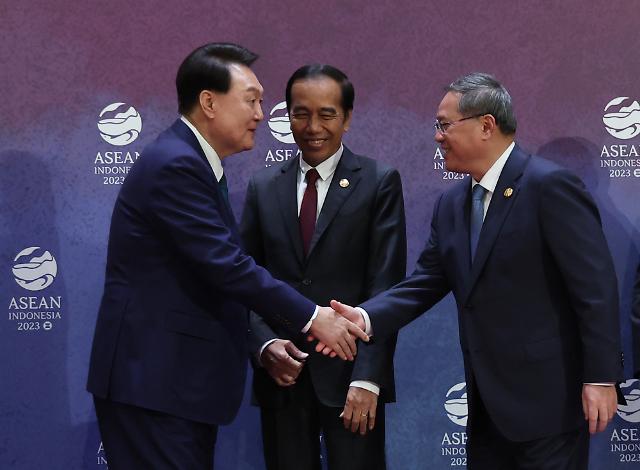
(306, 282)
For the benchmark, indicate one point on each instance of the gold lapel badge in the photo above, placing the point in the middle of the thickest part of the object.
(508, 192)
(344, 183)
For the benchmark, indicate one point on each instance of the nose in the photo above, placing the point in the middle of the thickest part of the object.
(438, 136)
(259, 116)
(314, 123)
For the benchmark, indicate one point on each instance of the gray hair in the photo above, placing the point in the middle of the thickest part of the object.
(482, 94)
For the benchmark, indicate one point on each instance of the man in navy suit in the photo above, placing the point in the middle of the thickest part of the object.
(520, 245)
(169, 354)
(354, 248)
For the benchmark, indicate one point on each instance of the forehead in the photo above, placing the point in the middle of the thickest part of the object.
(243, 79)
(448, 107)
(316, 91)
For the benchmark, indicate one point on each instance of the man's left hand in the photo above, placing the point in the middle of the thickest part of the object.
(599, 404)
(359, 411)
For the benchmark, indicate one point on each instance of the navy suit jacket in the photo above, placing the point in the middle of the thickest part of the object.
(358, 250)
(537, 309)
(172, 326)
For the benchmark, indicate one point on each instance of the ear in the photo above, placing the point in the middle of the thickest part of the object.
(208, 103)
(347, 120)
(489, 126)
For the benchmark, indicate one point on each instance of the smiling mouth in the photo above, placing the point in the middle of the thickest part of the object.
(315, 142)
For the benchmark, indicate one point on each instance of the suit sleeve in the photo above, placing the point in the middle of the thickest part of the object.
(386, 266)
(571, 227)
(250, 230)
(635, 325)
(186, 209)
(404, 302)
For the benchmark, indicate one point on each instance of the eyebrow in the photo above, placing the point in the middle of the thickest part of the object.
(253, 88)
(327, 109)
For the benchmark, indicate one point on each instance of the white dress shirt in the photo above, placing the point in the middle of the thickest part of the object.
(490, 179)
(489, 182)
(218, 171)
(326, 170)
(209, 152)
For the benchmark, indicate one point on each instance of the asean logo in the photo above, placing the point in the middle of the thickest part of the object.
(34, 269)
(622, 122)
(631, 411)
(280, 125)
(456, 404)
(119, 125)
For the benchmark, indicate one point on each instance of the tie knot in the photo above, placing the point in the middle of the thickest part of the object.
(312, 176)
(478, 192)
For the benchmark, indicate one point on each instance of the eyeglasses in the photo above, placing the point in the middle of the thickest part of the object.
(443, 126)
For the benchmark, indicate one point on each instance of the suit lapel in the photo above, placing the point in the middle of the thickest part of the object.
(286, 189)
(460, 231)
(186, 134)
(498, 211)
(336, 196)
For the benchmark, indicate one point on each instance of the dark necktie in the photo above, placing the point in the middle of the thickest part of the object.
(477, 215)
(309, 209)
(224, 189)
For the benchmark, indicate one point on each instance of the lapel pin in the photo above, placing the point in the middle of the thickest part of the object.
(508, 192)
(344, 183)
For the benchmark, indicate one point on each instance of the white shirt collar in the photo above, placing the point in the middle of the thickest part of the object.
(327, 167)
(490, 179)
(209, 152)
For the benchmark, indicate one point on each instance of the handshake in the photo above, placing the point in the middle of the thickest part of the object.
(336, 328)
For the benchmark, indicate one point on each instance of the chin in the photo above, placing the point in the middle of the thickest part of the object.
(248, 145)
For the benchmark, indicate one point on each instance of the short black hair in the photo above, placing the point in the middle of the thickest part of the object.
(323, 70)
(207, 68)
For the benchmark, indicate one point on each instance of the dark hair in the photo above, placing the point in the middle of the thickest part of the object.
(207, 68)
(322, 70)
(480, 94)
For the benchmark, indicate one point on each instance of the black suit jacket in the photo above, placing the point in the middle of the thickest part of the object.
(358, 250)
(538, 309)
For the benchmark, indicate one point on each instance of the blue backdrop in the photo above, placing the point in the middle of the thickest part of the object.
(88, 84)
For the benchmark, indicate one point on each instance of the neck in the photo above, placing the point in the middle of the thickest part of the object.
(199, 122)
(493, 152)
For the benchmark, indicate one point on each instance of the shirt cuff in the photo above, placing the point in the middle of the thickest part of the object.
(264, 346)
(367, 321)
(313, 317)
(371, 386)
(601, 384)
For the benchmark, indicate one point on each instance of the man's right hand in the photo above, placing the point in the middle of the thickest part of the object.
(283, 361)
(336, 333)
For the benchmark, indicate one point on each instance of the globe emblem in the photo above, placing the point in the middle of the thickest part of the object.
(279, 124)
(34, 269)
(456, 404)
(119, 125)
(631, 411)
(622, 122)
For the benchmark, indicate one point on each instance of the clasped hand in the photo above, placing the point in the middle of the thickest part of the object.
(283, 361)
(337, 333)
